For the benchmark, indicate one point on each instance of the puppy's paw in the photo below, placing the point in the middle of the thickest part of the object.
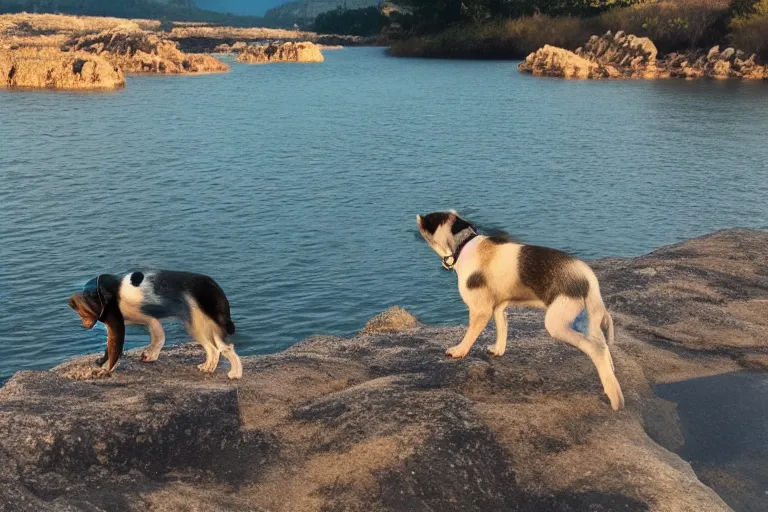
(100, 361)
(234, 375)
(456, 352)
(494, 351)
(148, 357)
(101, 373)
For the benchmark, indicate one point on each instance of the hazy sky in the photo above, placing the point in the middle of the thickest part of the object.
(255, 7)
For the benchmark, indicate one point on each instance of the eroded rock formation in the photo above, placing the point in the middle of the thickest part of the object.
(383, 421)
(286, 52)
(144, 52)
(628, 56)
(50, 68)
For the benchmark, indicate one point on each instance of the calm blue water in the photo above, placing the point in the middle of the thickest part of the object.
(296, 186)
(724, 420)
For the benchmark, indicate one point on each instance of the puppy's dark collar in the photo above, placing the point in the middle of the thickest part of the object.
(450, 261)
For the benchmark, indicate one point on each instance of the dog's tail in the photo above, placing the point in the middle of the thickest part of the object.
(599, 317)
(607, 324)
(230, 326)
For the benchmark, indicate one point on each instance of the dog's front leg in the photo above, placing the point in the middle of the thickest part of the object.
(157, 340)
(478, 319)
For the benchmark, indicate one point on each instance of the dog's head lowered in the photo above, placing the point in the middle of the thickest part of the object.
(444, 231)
(90, 304)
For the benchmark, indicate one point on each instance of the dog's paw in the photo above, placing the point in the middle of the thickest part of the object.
(456, 352)
(148, 357)
(100, 361)
(205, 368)
(495, 352)
(234, 375)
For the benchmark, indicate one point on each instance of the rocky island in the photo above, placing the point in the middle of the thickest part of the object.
(623, 55)
(138, 51)
(286, 52)
(44, 68)
(382, 421)
(80, 52)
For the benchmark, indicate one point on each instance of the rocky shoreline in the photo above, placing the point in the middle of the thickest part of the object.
(382, 421)
(623, 55)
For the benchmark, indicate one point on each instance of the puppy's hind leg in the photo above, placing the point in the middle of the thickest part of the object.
(500, 319)
(558, 320)
(157, 340)
(228, 351)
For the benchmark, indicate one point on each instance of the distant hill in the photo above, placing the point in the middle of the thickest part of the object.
(242, 7)
(304, 12)
(176, 10)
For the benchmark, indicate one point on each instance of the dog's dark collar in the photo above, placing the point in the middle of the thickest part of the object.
(450, 261)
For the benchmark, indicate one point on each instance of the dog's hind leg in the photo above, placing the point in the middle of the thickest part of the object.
(558, 320)
(500, 319)
(211, 356)
(228, 351)
(157, 340)
(201, 328)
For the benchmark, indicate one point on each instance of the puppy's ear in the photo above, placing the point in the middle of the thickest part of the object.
(418, 220)
(107, 287)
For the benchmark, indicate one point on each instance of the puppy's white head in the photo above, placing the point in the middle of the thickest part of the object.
(443, 232)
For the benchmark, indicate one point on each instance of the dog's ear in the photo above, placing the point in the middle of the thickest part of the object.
(418, 220)
(460, 225)
(88, 306)
(106, 286)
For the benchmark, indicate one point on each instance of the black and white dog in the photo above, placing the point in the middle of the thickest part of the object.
(495, 272)
(146, 299)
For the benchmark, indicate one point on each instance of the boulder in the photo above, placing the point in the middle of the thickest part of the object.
(393, 319)
(557, 62)
(383, 421)
(50, 68)
(286, 52)
(619, 56)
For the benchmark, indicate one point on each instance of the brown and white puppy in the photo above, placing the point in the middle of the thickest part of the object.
(146, 299)
(495, 272)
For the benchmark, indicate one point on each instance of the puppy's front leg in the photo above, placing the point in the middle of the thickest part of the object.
(157, 340)
(100, 361)
(478, 319)
(115, 338)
